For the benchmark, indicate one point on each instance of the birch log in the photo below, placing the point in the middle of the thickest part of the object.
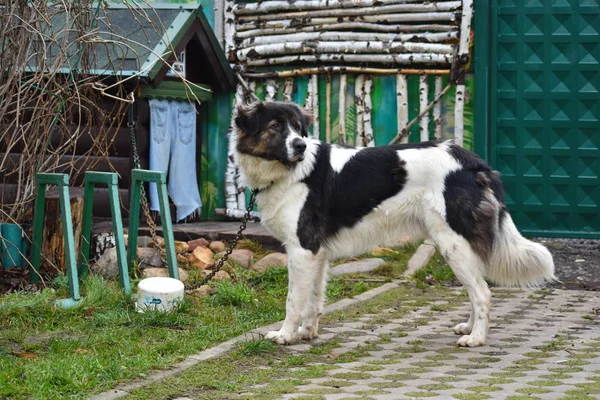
(423, 103)
(288, 89)
(271, 87)
(414, 58)
(459, 112)
(465, 27)
(314, 81)
(437, 109)
(270, 6)
(231, 188)
(359, 11)
(342, 109)
(348, 36)
(328, 109)
(308, 103)
(402, 105)
(344, 70)
(250, 31)
(229, 29)
(370, 140)
(359, 96)
(379, 19)
(349, 47)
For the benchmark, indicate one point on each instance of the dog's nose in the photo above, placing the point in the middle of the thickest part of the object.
(299, 145)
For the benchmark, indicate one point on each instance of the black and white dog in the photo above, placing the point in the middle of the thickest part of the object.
(325, 202)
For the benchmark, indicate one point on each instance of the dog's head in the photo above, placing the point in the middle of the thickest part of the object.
(272, 131)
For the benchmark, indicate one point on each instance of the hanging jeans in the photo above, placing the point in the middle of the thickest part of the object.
(173, 150)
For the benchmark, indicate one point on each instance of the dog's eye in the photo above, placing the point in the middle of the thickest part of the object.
(276, 127)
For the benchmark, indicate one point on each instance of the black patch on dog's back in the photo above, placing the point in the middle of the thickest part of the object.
(468, 212)
(340, 200)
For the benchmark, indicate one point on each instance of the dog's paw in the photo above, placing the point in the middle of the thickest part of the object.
(308, 333)
(463, 329)
(471, 341)
(280, 337)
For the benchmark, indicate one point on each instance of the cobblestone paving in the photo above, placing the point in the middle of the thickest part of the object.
(542, 344)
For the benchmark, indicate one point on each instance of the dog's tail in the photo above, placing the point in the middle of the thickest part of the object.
(516, 261)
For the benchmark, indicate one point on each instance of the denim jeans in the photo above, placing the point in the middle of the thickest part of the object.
(173, 150)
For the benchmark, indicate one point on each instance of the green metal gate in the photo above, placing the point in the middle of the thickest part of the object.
(538, 97)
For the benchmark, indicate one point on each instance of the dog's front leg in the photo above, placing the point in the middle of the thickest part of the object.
(314, 304)
(303, 273)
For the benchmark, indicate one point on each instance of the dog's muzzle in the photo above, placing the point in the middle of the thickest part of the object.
(299, 146)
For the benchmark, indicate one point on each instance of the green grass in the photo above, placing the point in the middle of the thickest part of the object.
(46, 352)
(436, 272)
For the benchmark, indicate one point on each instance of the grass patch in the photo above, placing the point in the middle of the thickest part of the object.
(436, 272)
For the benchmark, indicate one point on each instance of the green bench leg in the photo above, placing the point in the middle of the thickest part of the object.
(62, 181)
(138, 176)
(110, 179)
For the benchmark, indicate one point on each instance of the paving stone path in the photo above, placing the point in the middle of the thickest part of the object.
(542, 344)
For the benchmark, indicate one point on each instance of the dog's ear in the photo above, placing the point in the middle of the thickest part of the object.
(246, 117)
(308, 116)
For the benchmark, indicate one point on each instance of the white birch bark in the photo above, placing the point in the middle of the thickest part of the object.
(328, 109)
(288, 89)
(274, 49)
(309, 102)
(361, 11)
(270, 6)
(271, 86)
(412, 58)
(231, 188)
(402, 104)
(343, 70)
(229, 29)
(423, 103)
(314, 82)
(219, 9)
(381, 19)
(437, 109)
(359, 99)
(348, 36)
(342, 109)
(250, 30)
(459, 112)
(369, 138)
(465, 27)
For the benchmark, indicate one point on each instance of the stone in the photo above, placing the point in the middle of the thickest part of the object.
(160, 240)
(201, 258)
(203, 291)
(181, 259)
(149, 257)
(193, 244)
(217, 246)
(181, 247)
(242, 256)
(163, 273)
(270, 260)
(221, 276)
(360, 266)
(107, 266)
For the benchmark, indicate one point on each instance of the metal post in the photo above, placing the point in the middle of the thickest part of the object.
(110, 179)
(160, 178)
(62, 181)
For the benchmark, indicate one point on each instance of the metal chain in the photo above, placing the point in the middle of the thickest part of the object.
(145, 208)
(219, 263)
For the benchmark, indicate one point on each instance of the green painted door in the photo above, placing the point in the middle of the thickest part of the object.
(543, 106)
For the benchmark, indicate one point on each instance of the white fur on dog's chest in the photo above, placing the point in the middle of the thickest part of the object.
(280, 209)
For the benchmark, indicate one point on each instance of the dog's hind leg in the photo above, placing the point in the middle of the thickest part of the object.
(303, 271)
(469, 270)
(314, 305)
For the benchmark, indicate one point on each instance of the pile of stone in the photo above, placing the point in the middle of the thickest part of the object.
(194, 255)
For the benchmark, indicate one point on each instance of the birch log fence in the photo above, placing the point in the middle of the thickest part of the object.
(275, 43)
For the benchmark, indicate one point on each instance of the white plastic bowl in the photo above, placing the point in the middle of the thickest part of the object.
(162, 294)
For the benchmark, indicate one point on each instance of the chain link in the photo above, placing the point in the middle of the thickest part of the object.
(219, 264)
(143, 199)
